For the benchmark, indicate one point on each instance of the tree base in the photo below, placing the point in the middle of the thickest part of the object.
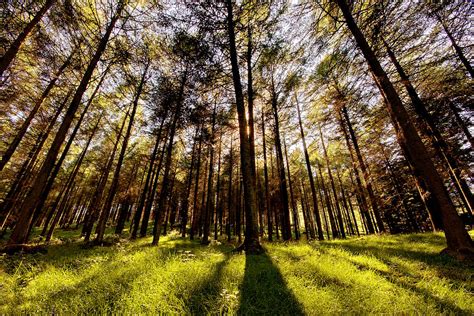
(464, 254)
(251, 247)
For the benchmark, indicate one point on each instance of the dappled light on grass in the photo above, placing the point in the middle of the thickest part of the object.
(378, 274)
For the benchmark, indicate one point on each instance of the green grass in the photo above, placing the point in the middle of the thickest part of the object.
(401, 274)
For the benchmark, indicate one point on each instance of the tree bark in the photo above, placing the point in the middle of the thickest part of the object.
(251, 243)
(115, 180)
(11, 52)
(310, 175)
(456, 236)
(429, 127)
(24, 126)
(20, 232)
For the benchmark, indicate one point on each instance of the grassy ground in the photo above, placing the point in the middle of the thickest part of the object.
(378, 274)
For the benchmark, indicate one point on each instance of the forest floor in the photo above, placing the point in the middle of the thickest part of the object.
(398, 274)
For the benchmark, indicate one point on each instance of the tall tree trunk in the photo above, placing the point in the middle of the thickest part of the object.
(310, 175)
(429, 127)
(143, 195)
(189, 182)
(368, 183)
(218, 191)
(265, 175)
(360, 194)
(24, 126)
(285, 210)
(456, 47)
(230, 216)
(11, 52)
(95, 204)
(196, 185)
(292, 196)
(166, 175)
(153, 189)
(52, 177)
(115, 180)
(333, 186)
(209, 210)
(462, 124)
(20, 232)
(72, 177)
(251, 243)
(332, 221)
(27, 166)
(456, 236)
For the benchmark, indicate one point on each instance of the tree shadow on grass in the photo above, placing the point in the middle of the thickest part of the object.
(402, 278)
(264, 291)
(206, 298)
(444, 265)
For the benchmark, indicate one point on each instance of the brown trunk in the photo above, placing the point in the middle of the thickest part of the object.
(189, 182)
(218, 213)
(194, 219)
(94, 206)
(153, 189)
(11, 52)
(332, 221)
(148, 182)
(251, 243)
(24, 127)
(333, 186)
(265, 175)
(27, 167)
(417, 154)
(364, 210)
(52, 177)
(368, 183)
(462, 124)
(72, 177)
(456, 47)
(284, 207)
(166, 175)
(115, 180)
(429, 127)
(310, 175)
(20, 232)
(292, 197)
(209, 210)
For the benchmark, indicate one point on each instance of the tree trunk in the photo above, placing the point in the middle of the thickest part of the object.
(292, 197)
(189, 182)
(20, 232)
(456, 47)
(143, 195)
(429, 127)
(251, 243)
(368, 183)
(310, 175)
(417, 154)
(285, 210)
(52, 177)
(462, 124)
(97, 197)
(196, 186)
(331, 179)
(166, 174)
(11, 52)
(24, 127)
(115, 180)
(209, 210)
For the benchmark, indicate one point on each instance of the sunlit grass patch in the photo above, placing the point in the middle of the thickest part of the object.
(371, 275)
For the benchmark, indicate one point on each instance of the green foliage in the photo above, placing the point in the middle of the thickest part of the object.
(402, 274)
